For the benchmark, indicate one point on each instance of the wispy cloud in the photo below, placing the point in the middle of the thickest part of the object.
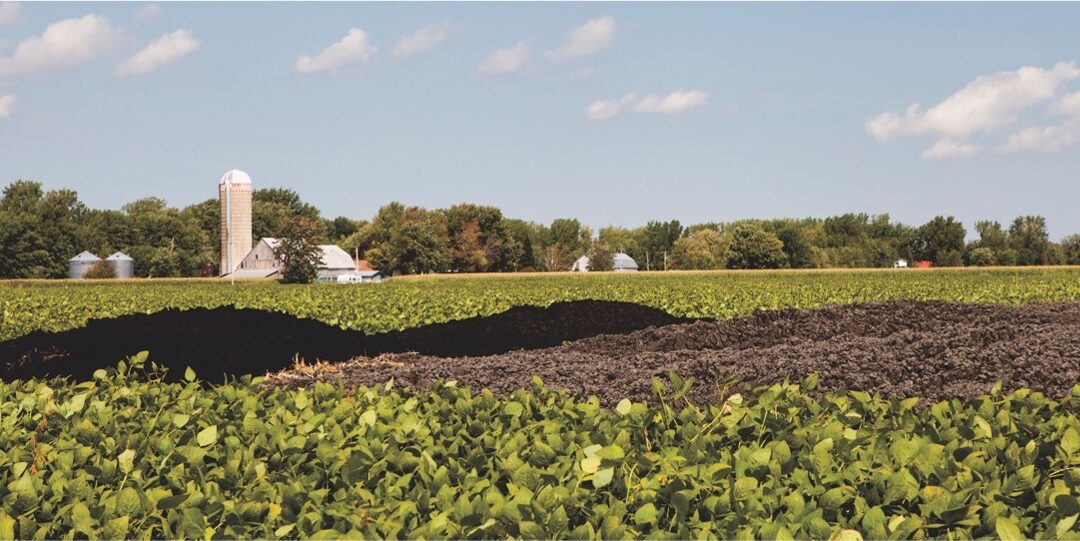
(675, 102)
(354, 48)
(1043, 139)
(587, 39)
(946, 148)
(421, 40)
(148, 12)
(506, 60)
(64, 43)
(164, 50)
(7, 106)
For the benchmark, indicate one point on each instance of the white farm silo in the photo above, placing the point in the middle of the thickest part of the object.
(80, 264)
(234, 191)
(122, 265)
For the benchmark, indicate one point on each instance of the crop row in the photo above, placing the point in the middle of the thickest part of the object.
(127, 456)
(400, 304)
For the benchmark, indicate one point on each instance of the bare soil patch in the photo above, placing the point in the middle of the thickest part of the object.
(933, 350)
(228, 341)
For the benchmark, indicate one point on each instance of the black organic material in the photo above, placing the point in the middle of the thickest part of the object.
(228, 341)
(933, 350)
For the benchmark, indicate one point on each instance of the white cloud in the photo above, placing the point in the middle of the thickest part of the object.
(7, 106)
(422, 40)
(506, 60)
(589, 38)
(603, 109)
(984, 105)
(352, 49)
(1045, 139)
(147, 12)
(166, 49)
(675, 102)
(1068, 105)
(946, 148)
(64, 43)
(9, 13)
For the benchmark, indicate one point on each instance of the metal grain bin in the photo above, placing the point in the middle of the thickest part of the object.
(122, 265)
(78, 265)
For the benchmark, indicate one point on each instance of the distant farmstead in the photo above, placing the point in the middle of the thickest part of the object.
(622, 263)
(262, 262)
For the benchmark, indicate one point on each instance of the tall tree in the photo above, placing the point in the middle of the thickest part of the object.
(409, 240)
(941, 240)
(299, 250)
(704, 249)
(1028, 237)
(752, 247)
(658, 238)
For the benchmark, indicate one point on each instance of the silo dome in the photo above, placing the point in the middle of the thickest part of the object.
(235, 176)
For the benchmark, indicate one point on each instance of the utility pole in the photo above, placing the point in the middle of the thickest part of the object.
(665, 259)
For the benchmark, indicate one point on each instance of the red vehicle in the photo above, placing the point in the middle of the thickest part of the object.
(923, 264)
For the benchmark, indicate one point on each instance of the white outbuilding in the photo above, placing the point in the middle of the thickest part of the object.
(624, 263)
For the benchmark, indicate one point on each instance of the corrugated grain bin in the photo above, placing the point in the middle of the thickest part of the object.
(122, 265)
(80, 264)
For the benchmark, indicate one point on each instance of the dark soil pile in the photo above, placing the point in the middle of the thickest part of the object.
(228, 341)
(898, 349)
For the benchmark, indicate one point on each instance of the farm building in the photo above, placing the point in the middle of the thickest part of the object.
(581, 265)
(122, 265)
(262, 262)
(80, 264)
(622, 263)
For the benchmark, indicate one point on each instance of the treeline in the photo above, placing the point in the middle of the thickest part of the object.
(40, 231)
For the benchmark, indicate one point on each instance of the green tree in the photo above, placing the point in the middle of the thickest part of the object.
(299, 250)
(941, 240)
(408, 240)
(656, 239)
(341, 227)
(272, 208)
(981, 256)
(1028, 237)
(601, 258)
(752, 247)
(496, 249)
(524, 253)
(1070, 247)
(798, 246)
(567, 233)
(702, 250)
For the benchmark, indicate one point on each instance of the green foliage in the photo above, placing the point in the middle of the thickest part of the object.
(299, 250)
(1070, 247)
(702, 250)
(129, 456)
(600, 257)
(752, 247)
(405, 303)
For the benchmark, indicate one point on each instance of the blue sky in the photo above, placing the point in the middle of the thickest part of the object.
(613, 113)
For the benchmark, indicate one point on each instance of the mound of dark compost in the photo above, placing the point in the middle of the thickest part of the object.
(933, 350)
(229, 341)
